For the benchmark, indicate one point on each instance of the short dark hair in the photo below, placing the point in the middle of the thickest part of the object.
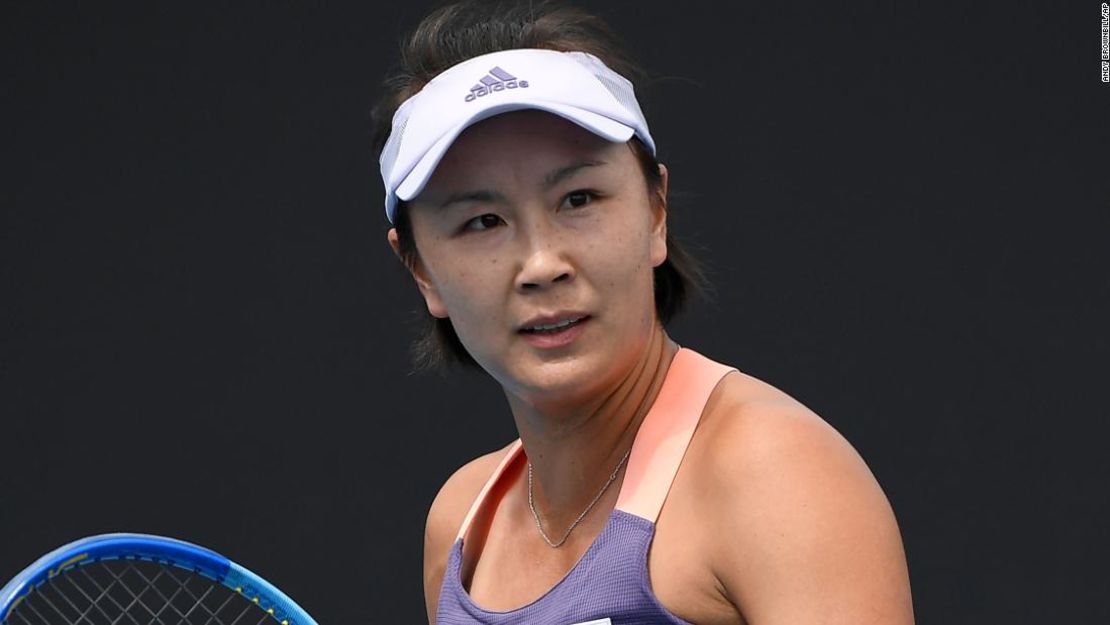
(463, 30)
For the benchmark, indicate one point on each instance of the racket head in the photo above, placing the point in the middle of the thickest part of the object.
(92, 568)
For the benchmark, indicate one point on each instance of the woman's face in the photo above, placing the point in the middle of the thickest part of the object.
(528, 220)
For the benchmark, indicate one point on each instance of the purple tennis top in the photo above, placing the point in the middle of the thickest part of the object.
(609, 585)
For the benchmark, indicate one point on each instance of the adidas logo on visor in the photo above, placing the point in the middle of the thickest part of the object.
(496, 80)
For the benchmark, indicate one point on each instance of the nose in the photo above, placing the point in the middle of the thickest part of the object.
(545, 261)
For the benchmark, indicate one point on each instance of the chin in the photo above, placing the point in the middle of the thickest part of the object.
(559, 377)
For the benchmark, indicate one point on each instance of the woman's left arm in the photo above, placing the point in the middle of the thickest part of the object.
(808, 536)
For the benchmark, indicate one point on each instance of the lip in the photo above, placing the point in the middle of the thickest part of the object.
(562, 338)
(548, 319)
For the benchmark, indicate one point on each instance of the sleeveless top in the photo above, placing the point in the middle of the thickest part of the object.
(609, 585)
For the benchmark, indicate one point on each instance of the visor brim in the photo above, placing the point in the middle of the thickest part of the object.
(421, 173)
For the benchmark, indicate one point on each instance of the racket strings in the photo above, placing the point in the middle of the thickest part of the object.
(126, 592)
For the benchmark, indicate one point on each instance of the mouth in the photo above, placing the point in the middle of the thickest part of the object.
(555, 332)
(553, 326)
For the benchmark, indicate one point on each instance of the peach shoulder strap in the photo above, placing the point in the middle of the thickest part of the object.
(514, 450)
(666, 431)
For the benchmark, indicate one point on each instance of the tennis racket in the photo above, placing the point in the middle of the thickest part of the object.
(139, 579)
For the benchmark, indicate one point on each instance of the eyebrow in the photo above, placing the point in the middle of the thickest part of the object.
(483, 195)
(561, 174)
(549, 181)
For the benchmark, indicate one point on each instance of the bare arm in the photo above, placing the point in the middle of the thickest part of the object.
(811, 535)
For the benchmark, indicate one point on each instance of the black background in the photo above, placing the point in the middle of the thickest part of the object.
(203, 332)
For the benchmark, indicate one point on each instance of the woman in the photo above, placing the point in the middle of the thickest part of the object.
(649, 484)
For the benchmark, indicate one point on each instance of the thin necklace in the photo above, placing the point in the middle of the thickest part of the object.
(536, 516)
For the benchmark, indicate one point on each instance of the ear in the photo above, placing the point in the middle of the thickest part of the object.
(420, 276)
(659, 221)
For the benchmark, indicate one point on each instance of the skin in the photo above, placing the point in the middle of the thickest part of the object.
(772, 517)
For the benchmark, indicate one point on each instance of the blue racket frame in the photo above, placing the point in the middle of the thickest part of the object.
(154, 549)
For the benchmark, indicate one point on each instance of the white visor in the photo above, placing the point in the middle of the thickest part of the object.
(573, 85)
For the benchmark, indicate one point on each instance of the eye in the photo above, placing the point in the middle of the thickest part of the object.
(482, 222)
(579, 198)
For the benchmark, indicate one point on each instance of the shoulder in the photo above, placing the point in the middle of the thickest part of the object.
(753, 426)
(446, 515)
(811, 533)
(455, 497)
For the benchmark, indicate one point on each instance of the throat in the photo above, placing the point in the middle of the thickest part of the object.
(579, 456)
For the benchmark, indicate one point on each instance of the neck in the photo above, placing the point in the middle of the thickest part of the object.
(574, 447)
